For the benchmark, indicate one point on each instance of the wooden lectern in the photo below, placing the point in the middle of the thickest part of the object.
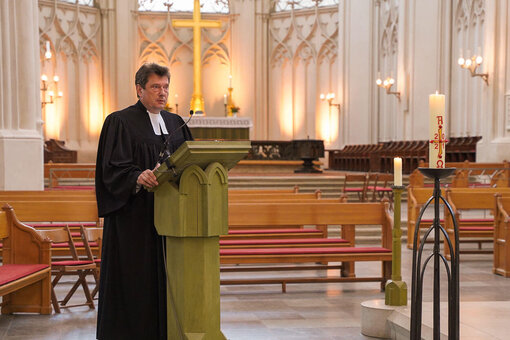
(190, 209)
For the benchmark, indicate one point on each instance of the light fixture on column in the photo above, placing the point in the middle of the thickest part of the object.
(49, 88)
(387, 84)
(329, 98)
(472, 64)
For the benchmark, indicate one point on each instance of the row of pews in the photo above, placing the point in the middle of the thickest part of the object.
(491, 227)
(379, 157)
(266, 228)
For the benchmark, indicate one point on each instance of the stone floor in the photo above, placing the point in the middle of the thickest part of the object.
(306, 311)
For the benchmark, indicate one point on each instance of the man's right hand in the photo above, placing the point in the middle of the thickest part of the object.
(147, 179)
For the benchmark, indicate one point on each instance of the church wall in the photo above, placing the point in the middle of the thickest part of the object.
(21, 144)
(302, 62)
(281, 63)
(245, 45)
(496, 106)
(358, 82)
(73, 35)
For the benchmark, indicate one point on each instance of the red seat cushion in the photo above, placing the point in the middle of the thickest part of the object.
(283, 241)
(12, 272)
(271, 231)
(61, 225)
(302, 251)
(489, 220)
(76, 244)
(70, 263)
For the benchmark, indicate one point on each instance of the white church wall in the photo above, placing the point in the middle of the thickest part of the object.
(303, 47)
(495, 113)
(21, 143)
(73, 34)
(282, 61)
(359, 79)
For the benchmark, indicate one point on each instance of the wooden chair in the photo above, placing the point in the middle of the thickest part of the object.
(360, 190)
(370, 187)
(383, 187)
(89, 237)
(75, 266)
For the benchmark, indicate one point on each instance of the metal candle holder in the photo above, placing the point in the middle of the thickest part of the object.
(452, 270)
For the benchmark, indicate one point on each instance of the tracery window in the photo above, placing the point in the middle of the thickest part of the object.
(287, 5)
(207, 6)
(81, 2)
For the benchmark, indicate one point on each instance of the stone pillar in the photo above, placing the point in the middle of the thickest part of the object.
(119, 53)
(21, 142)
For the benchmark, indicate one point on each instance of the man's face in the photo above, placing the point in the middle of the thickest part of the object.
(155, 93)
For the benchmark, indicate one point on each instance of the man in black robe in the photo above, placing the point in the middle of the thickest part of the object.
(132, 288)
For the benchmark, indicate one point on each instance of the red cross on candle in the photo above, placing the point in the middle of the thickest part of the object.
(439, 142)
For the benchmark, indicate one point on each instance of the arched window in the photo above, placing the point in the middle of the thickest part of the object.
(287, 5)
(207, 6)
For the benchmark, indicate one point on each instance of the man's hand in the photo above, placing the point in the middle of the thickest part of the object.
(147, 179)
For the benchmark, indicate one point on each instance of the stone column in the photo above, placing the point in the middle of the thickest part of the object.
(119, 53)
(21, 142)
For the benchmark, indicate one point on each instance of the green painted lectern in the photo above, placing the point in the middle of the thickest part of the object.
(190, 209)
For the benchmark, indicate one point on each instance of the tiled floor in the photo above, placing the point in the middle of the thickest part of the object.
(306, 311)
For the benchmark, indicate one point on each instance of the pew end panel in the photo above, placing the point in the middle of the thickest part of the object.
(25, 251)
(501, 264)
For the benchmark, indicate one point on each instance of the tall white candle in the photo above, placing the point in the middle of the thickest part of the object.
(230, 81)
(437, 131)
(397, 171)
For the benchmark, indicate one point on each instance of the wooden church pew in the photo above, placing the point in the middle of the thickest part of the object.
(345, 214)
(474, 230)
(25, 276)
(501, 265)
(50, 214)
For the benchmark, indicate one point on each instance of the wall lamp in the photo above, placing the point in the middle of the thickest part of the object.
(48, 88)
(387, 84)
(329, 98)
(46, 92)
(472, 64)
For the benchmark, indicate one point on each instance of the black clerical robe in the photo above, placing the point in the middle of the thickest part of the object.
(132, 289)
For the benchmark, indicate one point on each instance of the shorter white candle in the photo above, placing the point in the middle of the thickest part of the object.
(397, 172)
(225, 99)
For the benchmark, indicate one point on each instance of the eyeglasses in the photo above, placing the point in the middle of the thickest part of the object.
(158, 88)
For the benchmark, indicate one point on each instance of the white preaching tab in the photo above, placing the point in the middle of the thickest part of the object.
(157, 121)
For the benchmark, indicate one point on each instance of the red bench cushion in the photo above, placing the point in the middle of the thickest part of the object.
(70, 263)
(272, 231)
(283, 241)
(488, 220)
(302, 251)
(76, 244)
(12, 272)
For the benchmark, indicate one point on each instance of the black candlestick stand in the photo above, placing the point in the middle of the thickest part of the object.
(452, 270)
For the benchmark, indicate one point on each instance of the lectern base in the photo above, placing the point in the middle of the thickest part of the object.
(193, 306)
